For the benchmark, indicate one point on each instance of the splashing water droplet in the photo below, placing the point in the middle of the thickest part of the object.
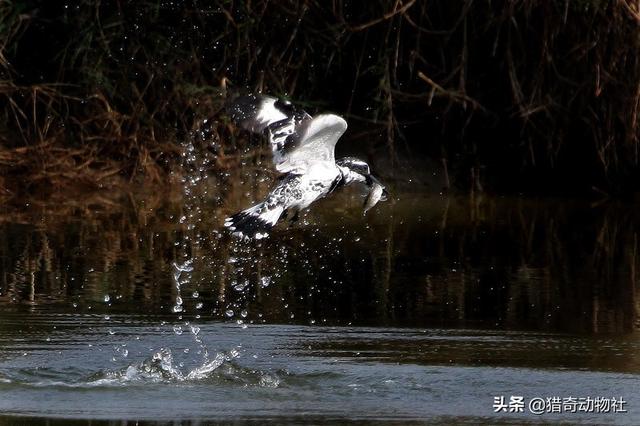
(244, 313)
(184, 267)
(177, 329)
(241, 286)
(229, 313)
(265, 281)
(107, 298)
(269, 381)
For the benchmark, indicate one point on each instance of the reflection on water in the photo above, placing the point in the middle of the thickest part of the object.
(141, 306)
(425, 261)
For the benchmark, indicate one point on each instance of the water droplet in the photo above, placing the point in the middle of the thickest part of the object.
(244, 313)
(241, 286)
(177, 329)
(184, 267)
(229, 313)
(265, 281)
(107, 298)
(195, 295)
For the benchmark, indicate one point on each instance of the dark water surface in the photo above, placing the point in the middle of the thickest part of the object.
(141, 307)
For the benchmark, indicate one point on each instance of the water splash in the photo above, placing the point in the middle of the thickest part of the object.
(181, 275)
(162, 368)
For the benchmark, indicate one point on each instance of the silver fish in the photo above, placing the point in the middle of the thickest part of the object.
(377, 192)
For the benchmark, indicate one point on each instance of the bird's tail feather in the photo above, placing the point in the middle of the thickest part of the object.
(254, 222)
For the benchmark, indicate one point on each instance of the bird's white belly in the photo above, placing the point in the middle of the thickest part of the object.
(317, 182)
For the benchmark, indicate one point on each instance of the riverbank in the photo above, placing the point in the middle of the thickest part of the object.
(528, 97)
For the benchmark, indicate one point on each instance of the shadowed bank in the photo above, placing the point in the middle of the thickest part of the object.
(528, 96)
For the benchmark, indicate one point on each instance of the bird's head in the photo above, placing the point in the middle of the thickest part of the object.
(356, 170)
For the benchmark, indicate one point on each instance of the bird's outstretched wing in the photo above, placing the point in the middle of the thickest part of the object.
(296, 138)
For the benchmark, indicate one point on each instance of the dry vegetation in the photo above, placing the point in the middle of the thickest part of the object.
(535, 93)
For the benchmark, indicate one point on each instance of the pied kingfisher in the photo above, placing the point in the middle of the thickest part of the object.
(303, 151)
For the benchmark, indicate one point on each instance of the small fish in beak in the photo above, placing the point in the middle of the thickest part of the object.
(377, 192)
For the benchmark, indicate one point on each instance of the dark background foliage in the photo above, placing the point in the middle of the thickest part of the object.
(532, 95)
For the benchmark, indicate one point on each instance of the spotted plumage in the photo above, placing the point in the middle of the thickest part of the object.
(303, 150)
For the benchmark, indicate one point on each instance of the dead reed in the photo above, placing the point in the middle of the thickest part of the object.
(537, 94)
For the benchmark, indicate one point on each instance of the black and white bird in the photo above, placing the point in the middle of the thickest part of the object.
(303, 151)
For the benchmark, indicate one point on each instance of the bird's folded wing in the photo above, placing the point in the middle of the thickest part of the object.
(296, 138)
